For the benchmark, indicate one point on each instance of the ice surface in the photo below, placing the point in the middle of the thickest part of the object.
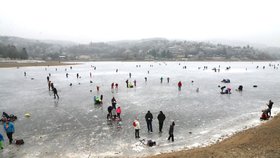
(73, 127)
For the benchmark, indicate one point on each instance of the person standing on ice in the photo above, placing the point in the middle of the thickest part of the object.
(55, 93)
(114, 102)
(149, 119)
(126, 83)
(134, 83)
(119, 111)
(179, 85)
(269, 105)
(168, 79)
(136, 125)
(145, 79)
(9, 128)
(171, 131)
(129, 75)
(161, 79)
(161, 118)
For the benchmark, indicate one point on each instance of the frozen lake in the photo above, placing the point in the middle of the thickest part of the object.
(74, 127)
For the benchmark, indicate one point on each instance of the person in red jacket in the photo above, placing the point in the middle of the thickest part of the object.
(179, 85)
(119, 111)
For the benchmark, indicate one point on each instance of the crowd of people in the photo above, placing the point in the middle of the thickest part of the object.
(114, 110)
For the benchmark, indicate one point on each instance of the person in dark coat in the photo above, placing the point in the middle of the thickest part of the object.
(55, 93)
(149, 119)
(126, 83)
(110, 108)
(171, 130)
(269, 105)
(114, 102)
(161, 118)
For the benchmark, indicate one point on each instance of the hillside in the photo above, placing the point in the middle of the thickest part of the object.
(145, 49)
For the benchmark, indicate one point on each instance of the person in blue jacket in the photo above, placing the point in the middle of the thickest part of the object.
(9, 128)
(1, 141)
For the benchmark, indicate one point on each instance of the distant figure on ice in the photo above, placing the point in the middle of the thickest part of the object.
(226, 81)
(48, 78)
(116, 86)
(161, 118)
(145, 79)
(197, 90)
(161, 79)
(149, 119)
(136, 125)
(269, 105)
(90, 75)
(119, 111)
(134, 83)
(222, 89)
(129, 75)
(227, 91)
(110, 108)
(171, 131)
(67, 75)
(179, 85)
(24, 73)
(126, 83)
(97, 88)
(240, 88)
(98, 100)
(114, 102)
(77, 75)
(55, 93)
(168, 79)
(9, 128)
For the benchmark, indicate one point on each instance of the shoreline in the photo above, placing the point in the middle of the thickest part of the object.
(22, 63)
(11, 64)
(259, 141)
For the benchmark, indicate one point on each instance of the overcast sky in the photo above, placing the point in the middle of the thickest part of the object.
(255, 21)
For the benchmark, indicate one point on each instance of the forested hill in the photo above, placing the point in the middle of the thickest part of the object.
(146, 49)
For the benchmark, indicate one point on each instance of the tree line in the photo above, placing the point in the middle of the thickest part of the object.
(10, 51)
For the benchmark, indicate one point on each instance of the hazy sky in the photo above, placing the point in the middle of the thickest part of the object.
(256, 21)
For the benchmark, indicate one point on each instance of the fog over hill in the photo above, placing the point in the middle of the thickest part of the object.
(144, 49)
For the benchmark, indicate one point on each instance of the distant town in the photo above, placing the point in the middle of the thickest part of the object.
(138, 50)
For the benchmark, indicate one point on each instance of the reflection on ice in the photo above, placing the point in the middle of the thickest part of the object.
(74, 127)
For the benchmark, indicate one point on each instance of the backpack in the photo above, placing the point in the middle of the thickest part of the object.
(134, 124)
(151, 143)
(19, 142)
